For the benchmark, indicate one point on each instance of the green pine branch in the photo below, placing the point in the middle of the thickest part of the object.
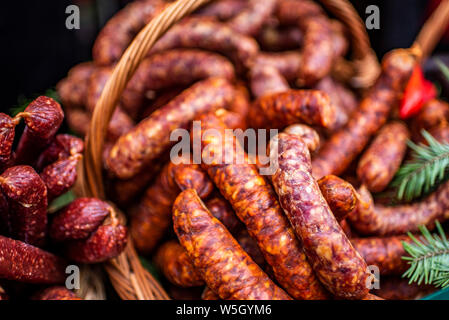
(429, 258)
(427, 168)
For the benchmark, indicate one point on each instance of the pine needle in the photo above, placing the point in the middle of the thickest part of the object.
(427, 168)
(429, 258)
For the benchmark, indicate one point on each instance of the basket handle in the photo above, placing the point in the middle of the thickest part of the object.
(433, 29)
(114, 87)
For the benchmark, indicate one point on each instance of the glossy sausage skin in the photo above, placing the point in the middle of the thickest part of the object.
(384, 252)
(339, 194)
(379, 220)
(337, 264)
(251, 19)
(56, 293)
(347, 143)
(306, 133)
(223, 264)
(279, 110)
(151, 136)
(380, 162)
(318, 49)
(119, 31)
(26, 263)
(265, 80)
(178, 67)
(255, 204)
(26, 195)
(176, 266)
(152, 216)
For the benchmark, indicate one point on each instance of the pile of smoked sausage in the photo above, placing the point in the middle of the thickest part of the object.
(222, 229)
(37, 244)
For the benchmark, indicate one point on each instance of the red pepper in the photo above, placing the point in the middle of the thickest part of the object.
(417, 92)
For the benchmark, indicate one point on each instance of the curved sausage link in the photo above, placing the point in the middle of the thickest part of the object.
(385, 253)
(273, 38)
(56, 293)
(43, 117)
(178, 67)
(279, 110)
(119, 31)
(347, 143)
(7, 134)
(151, 218)
(223, 264)
(72, 90)
(266, 80)
(306, 133)
(222, 9)
(151, 136)
(26, 195)
(210, 35)
(255, 204)
(337, 264)
(342, 98)
(339, 194)
(287, 62)
(318, 50)
(379, 220)
(175, 264)
(251, 19)
(380, 162)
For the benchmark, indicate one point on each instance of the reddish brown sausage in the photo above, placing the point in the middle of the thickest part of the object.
(385, 253)
(7, 134)
(395, 288)
(202, 33)
(56, 293)
(178, 67)
(107, 242)
(79, 219)
(26, 194)
(339, 194)
(60, 176)
(347, 143)
(222, 9)
(251, 19)
(380, 162)
(151, 218)
(23, 262)
(282, 109)
(151, 136)
(273, 38)
(266, 80)
(337, 264)
(72, 90)
(223, 264)
(318, 50)
(222, 210)
(379, 220)
(175, 264)
(255, 204)
(62, 147)
(306, 133)
(342, 98)
(287, 62)
(119, 31)
(43, 117)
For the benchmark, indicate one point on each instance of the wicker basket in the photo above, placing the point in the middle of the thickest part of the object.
(127, 275)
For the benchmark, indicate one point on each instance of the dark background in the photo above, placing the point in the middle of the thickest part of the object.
(37, 50)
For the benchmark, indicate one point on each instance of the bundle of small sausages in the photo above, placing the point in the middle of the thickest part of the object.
(300, 232)
(36, 169)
